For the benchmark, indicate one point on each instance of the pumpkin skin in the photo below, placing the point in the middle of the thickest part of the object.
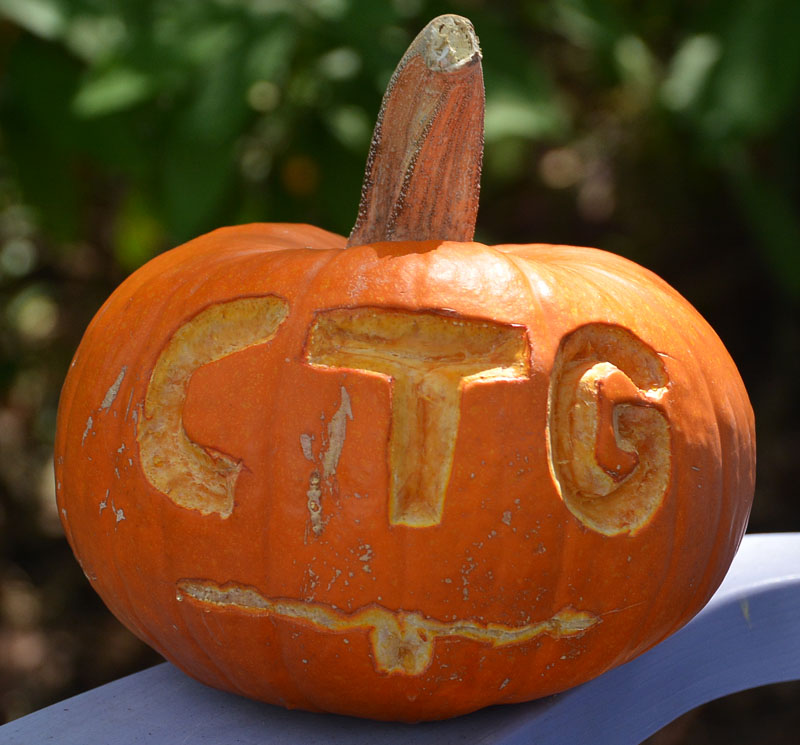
(315, 576)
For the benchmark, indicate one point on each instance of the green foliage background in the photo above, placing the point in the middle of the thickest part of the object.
(664, 130)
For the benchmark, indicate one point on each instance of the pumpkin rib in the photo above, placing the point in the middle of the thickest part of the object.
(561, 581)
(667, 548)
(304, 297)
(223, 677)
(524, 268)
(691, 600)
(535, 301)
(162, 640)
(140, 627)
(538, 316)
(636, 644)
(705, 589)
(724, 493)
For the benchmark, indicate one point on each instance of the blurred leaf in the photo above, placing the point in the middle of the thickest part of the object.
(270, 56)
(352, 126)
(636, 64)
(335, 205)
(196, 176)
(43, 157)
(521, 98)
(758, 74)
(219, 109)
(44, 18)
(115, 89)
(95, 37)
(505, 159)
(509, 115)
(210, 43)
(590, 23)
(341, 63)
(33, 313)
(17, 257)
(689, 71)
(330, 10)
(775, 222)
(138, 235)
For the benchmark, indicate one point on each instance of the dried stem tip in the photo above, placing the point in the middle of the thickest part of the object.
(422, 178)
(448, 43)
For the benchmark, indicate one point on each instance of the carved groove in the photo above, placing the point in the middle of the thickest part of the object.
(429, 358)
(401, 642)
(608, 431)
(190, 475)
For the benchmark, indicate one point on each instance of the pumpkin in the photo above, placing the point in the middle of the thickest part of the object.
(409, 475)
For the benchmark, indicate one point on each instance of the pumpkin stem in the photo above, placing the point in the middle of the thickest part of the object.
(422, 177)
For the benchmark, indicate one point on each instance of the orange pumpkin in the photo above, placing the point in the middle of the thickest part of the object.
(407, 478)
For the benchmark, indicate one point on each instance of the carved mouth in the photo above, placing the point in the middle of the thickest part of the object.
(402, 642)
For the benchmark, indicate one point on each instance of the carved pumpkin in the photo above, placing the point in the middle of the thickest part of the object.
(407, 478)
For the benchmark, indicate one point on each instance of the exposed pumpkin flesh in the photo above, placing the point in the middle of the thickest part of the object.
(402, 642)
(192, 476)
(608, 431)
(430, 358)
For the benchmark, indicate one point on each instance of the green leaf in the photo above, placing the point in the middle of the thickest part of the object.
(758, 75)
(43, 18)
(196, 178)
(269, 56)
(509, 115)
(219, 109)
(590, 23)
(138, 235)
(41, 153)
(689, 71)
(350, 125)
(774, 221)
(95, 37)
(115, 89)
(521, 98)
(210, 43)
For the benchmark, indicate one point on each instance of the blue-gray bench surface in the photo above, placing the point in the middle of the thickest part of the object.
(748, 635)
